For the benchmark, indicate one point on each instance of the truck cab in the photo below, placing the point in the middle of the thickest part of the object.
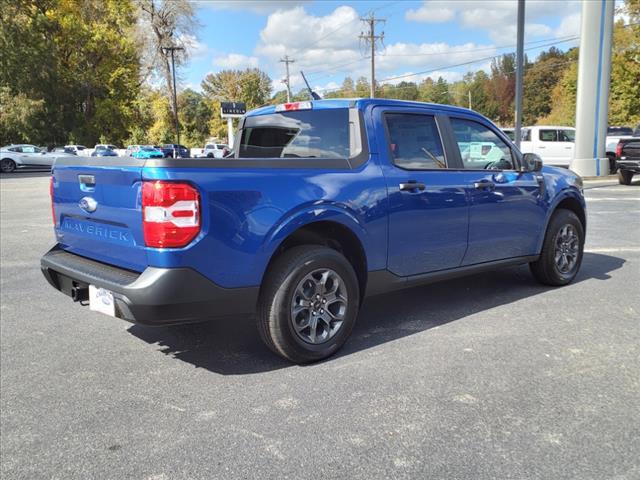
(554, 144)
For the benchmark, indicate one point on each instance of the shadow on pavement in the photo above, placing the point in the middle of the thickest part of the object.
(234, 347)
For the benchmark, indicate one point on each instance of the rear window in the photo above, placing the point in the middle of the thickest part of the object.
(619, 131)
(299, 134)
(548, 135)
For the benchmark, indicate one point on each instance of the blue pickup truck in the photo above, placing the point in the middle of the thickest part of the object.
(320, 205)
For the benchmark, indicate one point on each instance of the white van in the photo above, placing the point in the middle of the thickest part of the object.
(555, 145)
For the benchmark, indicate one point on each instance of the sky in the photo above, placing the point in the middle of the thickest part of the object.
(421, 38)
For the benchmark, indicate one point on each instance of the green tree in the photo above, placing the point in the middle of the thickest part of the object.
(194, 114)
(20, 117)
(251, 86)
(80, 58)
(539, 80)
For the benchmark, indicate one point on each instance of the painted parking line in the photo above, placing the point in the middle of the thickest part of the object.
(612, 199)
(612, 250)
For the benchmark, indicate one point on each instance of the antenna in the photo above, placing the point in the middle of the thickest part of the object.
(312, 94)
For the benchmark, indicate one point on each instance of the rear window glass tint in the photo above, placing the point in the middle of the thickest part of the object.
(301, 134)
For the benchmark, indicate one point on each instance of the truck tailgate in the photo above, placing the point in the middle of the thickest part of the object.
(97, 208)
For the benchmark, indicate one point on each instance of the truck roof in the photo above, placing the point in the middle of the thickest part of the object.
(362, 103)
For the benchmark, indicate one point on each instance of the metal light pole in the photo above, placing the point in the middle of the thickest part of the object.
(519, 72)
(175, 96)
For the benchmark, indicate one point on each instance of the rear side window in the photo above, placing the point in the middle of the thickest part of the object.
(566, 135)
(480, 147)
(414, 141)
(548, 135)
(298, 134)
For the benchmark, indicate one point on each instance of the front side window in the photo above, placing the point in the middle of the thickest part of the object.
(567, 135)
(297, 134)
(414, 141)
(548, 135)
(480, 148)
(526, 135)
(28, 149)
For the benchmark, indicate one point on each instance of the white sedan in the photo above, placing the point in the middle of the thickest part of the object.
(13, 157)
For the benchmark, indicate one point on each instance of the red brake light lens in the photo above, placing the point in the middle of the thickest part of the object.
(619, 150)
(293, 106)
(170, 214)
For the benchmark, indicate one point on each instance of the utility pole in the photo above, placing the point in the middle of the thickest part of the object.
(519, 72)
(175, 96)
(371, 38)
(469, 99)
(286, 60)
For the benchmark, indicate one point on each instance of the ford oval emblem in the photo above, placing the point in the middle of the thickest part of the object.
(88, 204)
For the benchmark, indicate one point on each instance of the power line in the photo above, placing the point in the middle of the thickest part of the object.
(480, 60)
(371, 39)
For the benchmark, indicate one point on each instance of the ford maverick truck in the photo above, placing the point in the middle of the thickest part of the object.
(319, 205)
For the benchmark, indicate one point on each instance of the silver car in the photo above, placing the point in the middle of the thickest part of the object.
(13, 157)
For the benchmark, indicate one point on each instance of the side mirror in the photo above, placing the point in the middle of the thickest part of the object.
(531, 162)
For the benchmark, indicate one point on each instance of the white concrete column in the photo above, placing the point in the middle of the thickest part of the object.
(594, 72)
(230, 131)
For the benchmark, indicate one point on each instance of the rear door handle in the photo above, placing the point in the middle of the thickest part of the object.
(412, 186)
(484, 185)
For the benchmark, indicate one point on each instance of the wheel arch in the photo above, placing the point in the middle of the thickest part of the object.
(569, 200)
(336, 230)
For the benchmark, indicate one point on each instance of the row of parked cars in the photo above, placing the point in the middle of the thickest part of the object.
(16, 156)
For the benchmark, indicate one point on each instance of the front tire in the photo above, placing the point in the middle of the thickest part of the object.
(625, 177)
(309, 303)
(7, 165)
(562, 250)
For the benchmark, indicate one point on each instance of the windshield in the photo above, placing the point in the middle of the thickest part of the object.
(298, 134)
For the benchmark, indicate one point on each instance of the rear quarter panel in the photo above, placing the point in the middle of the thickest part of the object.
(247, 213)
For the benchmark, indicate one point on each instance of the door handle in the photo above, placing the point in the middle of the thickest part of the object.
(411, 186)
(484, 185)
(541, 146)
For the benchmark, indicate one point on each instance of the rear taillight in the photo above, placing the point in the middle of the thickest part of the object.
(619, 150)
(170, 214)
(53, 210)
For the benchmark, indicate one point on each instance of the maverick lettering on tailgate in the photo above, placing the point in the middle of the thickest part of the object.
(107, 232)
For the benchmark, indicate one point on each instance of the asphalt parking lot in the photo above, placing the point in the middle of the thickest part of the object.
(492, 376)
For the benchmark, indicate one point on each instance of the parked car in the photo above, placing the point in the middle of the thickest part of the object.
(61, 149)
(628, 159)
(14, 157)
(174, 150)
(147, 151)
(215, 150)
(324, 203)
(104, 151)
(555, 145)
(614, 135)
(77, 149)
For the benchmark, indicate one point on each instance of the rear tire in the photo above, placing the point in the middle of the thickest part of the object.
(562, 250)
(309, 303)
(625, 177)
(7, 165)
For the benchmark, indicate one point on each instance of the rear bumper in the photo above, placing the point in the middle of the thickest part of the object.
(157, 296)
(630, 165)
